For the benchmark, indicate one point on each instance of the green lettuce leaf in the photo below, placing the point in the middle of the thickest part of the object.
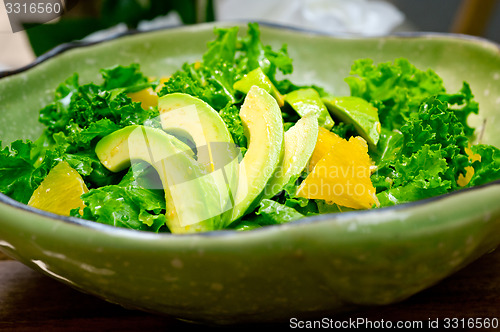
(231, 116)
(21, 171)
(432, 155)
(488, 169)
(77, 107)
(419, 176)
(396, 89)
(272, 213)
(269, 212)
(128, 77)
(127, 204)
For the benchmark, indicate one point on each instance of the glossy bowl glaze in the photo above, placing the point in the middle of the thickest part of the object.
(324, 264)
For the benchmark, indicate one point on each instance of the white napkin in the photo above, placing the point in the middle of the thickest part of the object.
(365, 17)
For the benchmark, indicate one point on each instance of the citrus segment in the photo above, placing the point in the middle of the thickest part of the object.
(60, 191)
(464, 180)
(326, 139)
(473, 157)
(342, 176)
(148, 97)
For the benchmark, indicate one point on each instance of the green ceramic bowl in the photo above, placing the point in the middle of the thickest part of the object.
(325, 264)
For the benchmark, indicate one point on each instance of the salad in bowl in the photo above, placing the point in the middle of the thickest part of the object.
(230, 142)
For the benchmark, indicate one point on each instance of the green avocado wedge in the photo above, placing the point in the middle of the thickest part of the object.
(171, 158)
(300, 141)
(192, 119)
(360, 113)
(263, 123)
(308, 100)
(257, 77)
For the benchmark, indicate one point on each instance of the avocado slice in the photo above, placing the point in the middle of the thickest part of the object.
(300, 141)
(263, 123)
(358, 112)
(308, 100)
(257, 77)
(183, 115)
(192, 199)
(190, 118)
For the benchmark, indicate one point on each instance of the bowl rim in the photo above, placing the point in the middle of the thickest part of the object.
(92, 225)
(325, 217)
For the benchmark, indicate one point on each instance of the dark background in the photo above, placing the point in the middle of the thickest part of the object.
(439, 15)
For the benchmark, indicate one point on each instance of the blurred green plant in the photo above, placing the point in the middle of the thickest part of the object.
(89, 16)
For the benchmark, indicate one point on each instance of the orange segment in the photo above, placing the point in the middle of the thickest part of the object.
(60, 191)
(148, 97)
(342, 176)
(464, 180)
(472, 156)
(326, 140)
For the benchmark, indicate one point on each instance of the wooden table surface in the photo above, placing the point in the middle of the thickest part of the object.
(30, 301)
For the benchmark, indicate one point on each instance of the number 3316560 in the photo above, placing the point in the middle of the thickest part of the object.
(33, 8)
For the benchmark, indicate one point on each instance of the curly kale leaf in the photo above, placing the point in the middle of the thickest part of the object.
(128, 204)
(396, 89)
(431, 158)
(21, 170)
(230, 115)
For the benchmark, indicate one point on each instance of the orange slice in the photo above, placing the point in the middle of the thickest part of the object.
(326, 139)
(464, 180)
(342, 176)
(60, 191)
(148, 97)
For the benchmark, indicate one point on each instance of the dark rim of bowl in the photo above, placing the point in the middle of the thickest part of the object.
(306, 220)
